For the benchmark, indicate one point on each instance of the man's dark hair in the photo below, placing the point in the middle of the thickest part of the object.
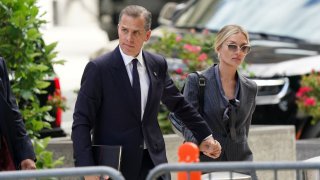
(136, 11)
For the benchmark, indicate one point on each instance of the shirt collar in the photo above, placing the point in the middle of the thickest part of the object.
(217, 76)
(127, 59)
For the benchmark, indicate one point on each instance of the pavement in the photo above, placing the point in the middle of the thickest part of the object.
(307, 149)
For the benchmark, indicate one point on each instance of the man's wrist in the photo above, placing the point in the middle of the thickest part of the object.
(207, 137)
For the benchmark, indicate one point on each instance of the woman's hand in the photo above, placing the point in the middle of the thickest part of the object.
(210, 147)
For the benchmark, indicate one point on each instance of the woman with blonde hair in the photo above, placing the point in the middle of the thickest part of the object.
(228, 97)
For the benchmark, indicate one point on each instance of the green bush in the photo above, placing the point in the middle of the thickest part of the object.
(308, 96)
(196, 52)
(30, 61)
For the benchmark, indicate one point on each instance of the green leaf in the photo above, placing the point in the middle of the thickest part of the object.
(33, 34)
(18, 19)
(26, 94)
(42, 84)
(61, 61)
(51, 47)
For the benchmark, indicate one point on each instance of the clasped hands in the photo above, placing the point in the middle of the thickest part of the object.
(210, 147)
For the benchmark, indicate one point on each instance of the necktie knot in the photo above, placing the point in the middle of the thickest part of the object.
(134, 62)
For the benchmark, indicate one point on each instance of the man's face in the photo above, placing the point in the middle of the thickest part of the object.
(132, 34)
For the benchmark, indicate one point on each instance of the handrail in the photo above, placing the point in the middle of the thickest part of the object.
(230, 166)
(63, 172)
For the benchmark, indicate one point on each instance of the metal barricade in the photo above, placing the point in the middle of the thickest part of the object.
(297, 167)
(63, 172)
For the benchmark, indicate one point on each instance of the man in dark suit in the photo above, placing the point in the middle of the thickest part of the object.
(109, 107)
(16, 150)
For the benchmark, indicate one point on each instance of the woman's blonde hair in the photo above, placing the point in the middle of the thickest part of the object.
(226, 32)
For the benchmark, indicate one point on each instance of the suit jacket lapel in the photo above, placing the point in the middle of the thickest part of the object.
(210, 87)
(245, 98)
(122, 81)
(153, 71)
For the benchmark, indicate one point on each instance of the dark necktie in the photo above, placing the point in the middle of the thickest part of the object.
(136, 84)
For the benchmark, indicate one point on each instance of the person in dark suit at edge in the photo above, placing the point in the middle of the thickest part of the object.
(16, 150)
(109, 108)
(229, 97)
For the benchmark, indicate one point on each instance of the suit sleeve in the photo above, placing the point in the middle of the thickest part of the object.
(22, 145)
(176, 103)
(87, 104)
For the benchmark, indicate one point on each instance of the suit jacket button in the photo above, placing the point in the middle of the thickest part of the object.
(141, 146)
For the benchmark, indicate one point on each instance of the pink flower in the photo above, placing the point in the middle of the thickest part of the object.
(187, 47)
(179, 71)
(202, 57)
(302, 90)
(310, 101)
(299, 94)
(178, 38)
(191, 48)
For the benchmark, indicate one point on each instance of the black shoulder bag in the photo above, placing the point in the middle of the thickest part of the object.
(177, 125)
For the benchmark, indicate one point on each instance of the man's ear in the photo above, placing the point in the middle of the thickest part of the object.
(148, 35)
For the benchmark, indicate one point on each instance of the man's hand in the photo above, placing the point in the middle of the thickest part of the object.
(210, 147)
(28, 164)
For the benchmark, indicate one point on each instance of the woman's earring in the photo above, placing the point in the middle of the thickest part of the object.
(219, 56)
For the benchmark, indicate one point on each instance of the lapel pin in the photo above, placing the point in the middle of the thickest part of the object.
(155, 74)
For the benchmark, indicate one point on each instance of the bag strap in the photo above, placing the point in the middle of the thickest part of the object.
(201, 86)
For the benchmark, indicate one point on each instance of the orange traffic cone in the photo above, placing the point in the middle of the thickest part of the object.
(189, 153)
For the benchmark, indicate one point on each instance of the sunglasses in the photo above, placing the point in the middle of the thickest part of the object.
(245, 49)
